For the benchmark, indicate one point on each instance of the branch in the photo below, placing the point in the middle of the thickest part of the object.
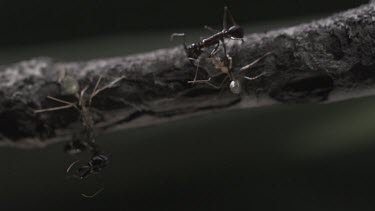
(323, 61)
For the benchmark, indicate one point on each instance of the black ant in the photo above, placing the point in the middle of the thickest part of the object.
(194, 50)
(224, 64)
(95, 165)
(98, 161)
(85, 140)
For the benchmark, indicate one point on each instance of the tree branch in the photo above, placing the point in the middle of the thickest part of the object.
(327, 60)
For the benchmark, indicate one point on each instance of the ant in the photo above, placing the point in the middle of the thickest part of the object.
(85, 140)
(225, 67)
(194, 50)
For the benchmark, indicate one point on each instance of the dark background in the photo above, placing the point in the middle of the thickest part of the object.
(284, 157)
(25, 22)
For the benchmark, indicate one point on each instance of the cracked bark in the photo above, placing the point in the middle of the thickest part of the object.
(323, 61)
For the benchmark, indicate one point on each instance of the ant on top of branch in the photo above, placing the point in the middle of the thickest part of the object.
(235, 32)
(85, 140)
(224, 64)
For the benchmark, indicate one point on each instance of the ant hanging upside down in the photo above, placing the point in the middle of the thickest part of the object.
(224, 64)
(85, 140)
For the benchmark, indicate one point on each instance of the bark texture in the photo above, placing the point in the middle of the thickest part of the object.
(322, 61)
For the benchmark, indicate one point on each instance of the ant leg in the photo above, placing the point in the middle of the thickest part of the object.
(108, 86)
(92, 195)
(53, 109)
(216, 49)
(224, 46)
(230, 16)
(254, 62)
(254, 78)
(60, 101)
(97, 192)
(95, 88)
(97, 84)
(195, 62)
(68, 105)
(80, 96)
(230, 65)
(224, 80)
(199, 81)
(207, 81)
(221, 84)
(211, 29)
(225, 24)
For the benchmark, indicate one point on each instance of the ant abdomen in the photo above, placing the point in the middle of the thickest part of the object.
(235, 87)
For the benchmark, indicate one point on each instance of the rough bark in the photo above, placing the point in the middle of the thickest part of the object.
(323, 61)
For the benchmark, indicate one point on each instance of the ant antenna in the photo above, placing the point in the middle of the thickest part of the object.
(71, 166)
(92, 195)
(179, 35)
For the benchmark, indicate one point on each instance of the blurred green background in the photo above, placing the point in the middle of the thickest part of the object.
(296, 157)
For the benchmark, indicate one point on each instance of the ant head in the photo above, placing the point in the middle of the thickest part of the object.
(98, 162)
(235, 87)
(194, 51)
(236, 31)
